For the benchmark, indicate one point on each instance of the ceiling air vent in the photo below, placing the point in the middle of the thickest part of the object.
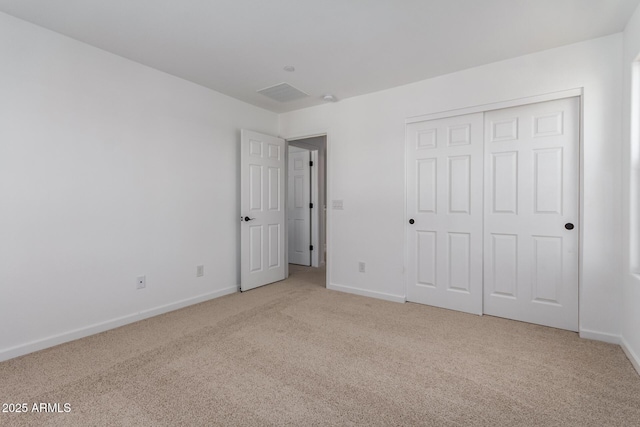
(283, 92)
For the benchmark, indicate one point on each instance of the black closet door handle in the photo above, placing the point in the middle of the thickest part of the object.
(568, 226)
(411, 221)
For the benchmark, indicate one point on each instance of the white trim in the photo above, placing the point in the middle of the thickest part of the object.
(633, 357)
(366, 293)
(405, 231)
(496, 105)
(328, 192)
(599, 336)
(286, 208)
(634, 173)
(305, 135)
(41, 344)
(581, 208)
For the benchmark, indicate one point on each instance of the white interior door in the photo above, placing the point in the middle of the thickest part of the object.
(262, 208)
(531, 205)
(444, 208)
(299, 210)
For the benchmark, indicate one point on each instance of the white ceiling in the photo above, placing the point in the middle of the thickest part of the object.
(342, 47)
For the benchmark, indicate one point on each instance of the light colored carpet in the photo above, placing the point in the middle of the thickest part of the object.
(294, 353)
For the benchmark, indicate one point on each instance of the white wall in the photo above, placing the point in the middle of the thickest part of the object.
(109, 170)
(630, 330)
(366, 167)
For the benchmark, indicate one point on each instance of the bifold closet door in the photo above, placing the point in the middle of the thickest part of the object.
(444, 212)
(531, 213)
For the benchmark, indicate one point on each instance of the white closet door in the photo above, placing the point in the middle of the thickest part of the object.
(531, 208)
(444, 212)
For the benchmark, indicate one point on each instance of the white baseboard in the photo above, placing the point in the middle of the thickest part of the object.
(41, 344)
(366, 293)
(633, 357)
(599, 336)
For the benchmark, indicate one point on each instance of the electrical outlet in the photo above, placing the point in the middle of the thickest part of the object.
(338, 205)
(141, 282)
(200, 271)
(361, 267)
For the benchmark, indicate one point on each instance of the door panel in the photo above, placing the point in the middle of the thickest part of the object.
(299, 212)
(502, 272)
(426, 185)
(459, 184)
(504, 182)
(262, 187)
(531, 260)
(275, 179)
(444, 187)
(426, 258)
(459, 262)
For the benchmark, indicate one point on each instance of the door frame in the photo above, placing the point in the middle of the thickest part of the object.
(328, 176)
(482, 108)
(315, 218)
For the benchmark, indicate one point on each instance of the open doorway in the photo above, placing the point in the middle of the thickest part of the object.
(299, 206)
(306, 201)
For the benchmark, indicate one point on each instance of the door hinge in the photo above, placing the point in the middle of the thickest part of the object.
(310, 205)
(310, 247)
(310, 162)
